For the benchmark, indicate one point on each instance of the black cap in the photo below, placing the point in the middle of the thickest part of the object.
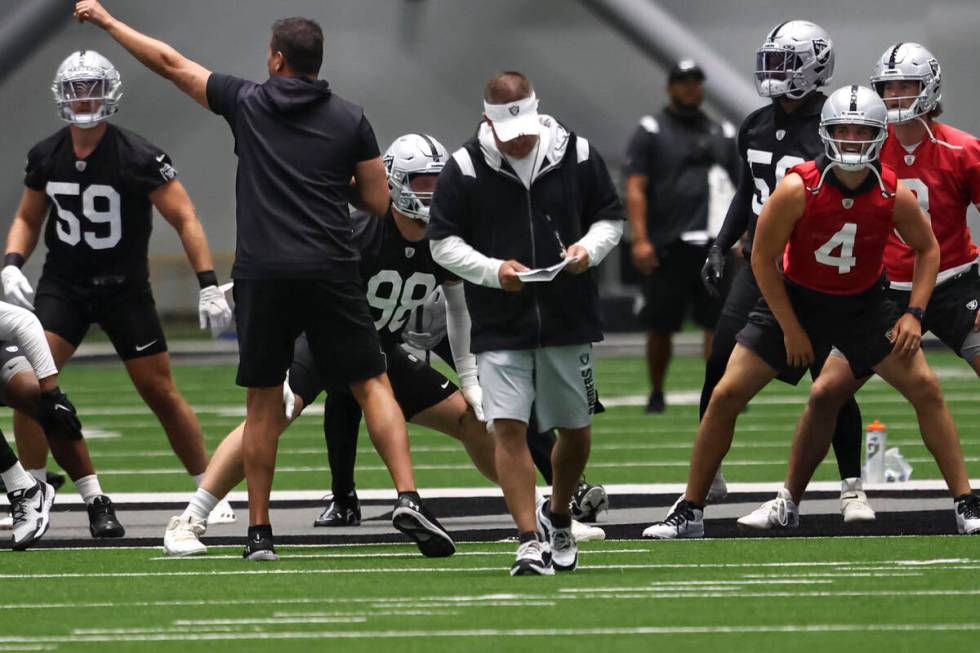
(685, 69)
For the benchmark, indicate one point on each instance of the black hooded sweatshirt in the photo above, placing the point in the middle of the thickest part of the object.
(297, 144)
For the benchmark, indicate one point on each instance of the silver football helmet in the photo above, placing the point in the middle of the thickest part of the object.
(909, 61)
(408, 156)
(853, 105)
(796, 58)
(86, 76)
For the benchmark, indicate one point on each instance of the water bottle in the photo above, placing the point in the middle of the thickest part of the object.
(875, 439)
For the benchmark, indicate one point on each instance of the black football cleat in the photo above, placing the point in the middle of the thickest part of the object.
(411, 518)
(259, 546)
(102, 522)
(340, 512)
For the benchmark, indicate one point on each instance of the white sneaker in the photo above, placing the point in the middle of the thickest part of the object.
(533, 559)
(781, 512)
(585, 533)
(718, 490)
(223, 513)
(854, 502)
(6, 523)
(967, 509)
(29, 509)
(684, 521)
(564, 550)
(183, 536)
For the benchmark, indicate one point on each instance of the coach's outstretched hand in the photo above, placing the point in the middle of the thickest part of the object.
(213, 310)
(92, 11)
(58, 415)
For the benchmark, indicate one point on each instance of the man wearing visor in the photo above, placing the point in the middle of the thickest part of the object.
(526, 193)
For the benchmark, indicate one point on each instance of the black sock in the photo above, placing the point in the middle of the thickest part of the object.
(529, 536)
(264, 531)
(413, 495)
(559, 521)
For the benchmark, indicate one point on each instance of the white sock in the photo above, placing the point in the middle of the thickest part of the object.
(88, 487)
(16, 478)
(40, 474)
(198, 478)
(200, 505)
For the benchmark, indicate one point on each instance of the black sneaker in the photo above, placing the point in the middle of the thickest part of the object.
(656, 404)
(344, 511)
(258, 544)
(588, 502)
(411, 518)
(967, 509)
(102, 520)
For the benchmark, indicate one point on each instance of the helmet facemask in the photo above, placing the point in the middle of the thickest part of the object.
(775, 70)
(406, 200)
(905, 108)
(86, 89)
(906, 62)
(850, 154)
(413, 157)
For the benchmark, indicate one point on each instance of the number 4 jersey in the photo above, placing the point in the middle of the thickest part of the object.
(399, 274)
(837, 246)
(945, 177)
(101, 215)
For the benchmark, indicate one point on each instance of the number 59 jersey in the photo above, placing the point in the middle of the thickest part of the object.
(837, 246)
(101, 216)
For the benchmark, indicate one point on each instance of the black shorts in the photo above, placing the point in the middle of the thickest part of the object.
(952, 309)
(334, 315)
(127, 314)
(416, 385)
(675, 286)
(743, 292)
(858, 325)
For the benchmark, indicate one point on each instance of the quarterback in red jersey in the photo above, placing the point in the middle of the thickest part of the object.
(829, 221)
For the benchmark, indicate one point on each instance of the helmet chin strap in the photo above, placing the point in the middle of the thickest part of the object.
(932, 137)
(836, 164)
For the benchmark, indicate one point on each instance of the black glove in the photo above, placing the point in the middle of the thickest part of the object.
(58, 415)
(713, 270)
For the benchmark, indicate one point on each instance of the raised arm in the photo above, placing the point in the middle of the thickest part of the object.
(189, 76)
(773, 230)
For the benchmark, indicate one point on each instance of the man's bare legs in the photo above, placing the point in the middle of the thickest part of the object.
(386, 426)
(516, 472)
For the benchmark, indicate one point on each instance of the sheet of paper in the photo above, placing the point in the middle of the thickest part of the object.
(544, 274)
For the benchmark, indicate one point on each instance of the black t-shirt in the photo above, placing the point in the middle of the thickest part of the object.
(399, 274)
(675, 154)
(297, 145)
(101, 216)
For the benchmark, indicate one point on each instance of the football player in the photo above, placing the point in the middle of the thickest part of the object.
(828, 221)
(29, 381)
(941, 165)
(795, 61)
(98, 183)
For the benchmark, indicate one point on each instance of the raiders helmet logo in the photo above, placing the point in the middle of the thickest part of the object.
(514, 110)
(972, 306)
(409, 252)
(167, 172)
(909, 159)
(847, 202)
(780, 134)
(80, 166)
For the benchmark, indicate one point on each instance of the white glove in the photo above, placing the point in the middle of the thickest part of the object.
(212, 309)
(426, 327)
(288, 398)
(17, 288)
(472, 393)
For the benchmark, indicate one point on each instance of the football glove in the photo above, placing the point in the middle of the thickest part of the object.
(427, 327)
(713, 270)
(58, 415)
(213, 310)
(17, 288)
(469, 385)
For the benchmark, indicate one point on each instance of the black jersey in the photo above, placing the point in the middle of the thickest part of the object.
(101, 215)
(770, 142)
(399, 274)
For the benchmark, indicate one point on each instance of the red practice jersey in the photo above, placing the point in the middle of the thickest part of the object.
(838, 244)
(945, 177)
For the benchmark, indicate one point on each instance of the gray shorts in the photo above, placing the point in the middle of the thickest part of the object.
(559, 382)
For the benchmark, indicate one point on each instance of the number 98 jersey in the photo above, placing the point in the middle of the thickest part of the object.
(101, 216)
(399, 274)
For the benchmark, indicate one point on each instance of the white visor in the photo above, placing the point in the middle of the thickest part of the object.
(514, 119)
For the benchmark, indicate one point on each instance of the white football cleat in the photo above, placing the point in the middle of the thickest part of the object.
(561, 541)
(685, 520)
(854, 502)
(585, 533)
(967, 509)
(223, 513)
(30, 509)
(183, 536)
(778, 513)
(533, 559)
(718, 490)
